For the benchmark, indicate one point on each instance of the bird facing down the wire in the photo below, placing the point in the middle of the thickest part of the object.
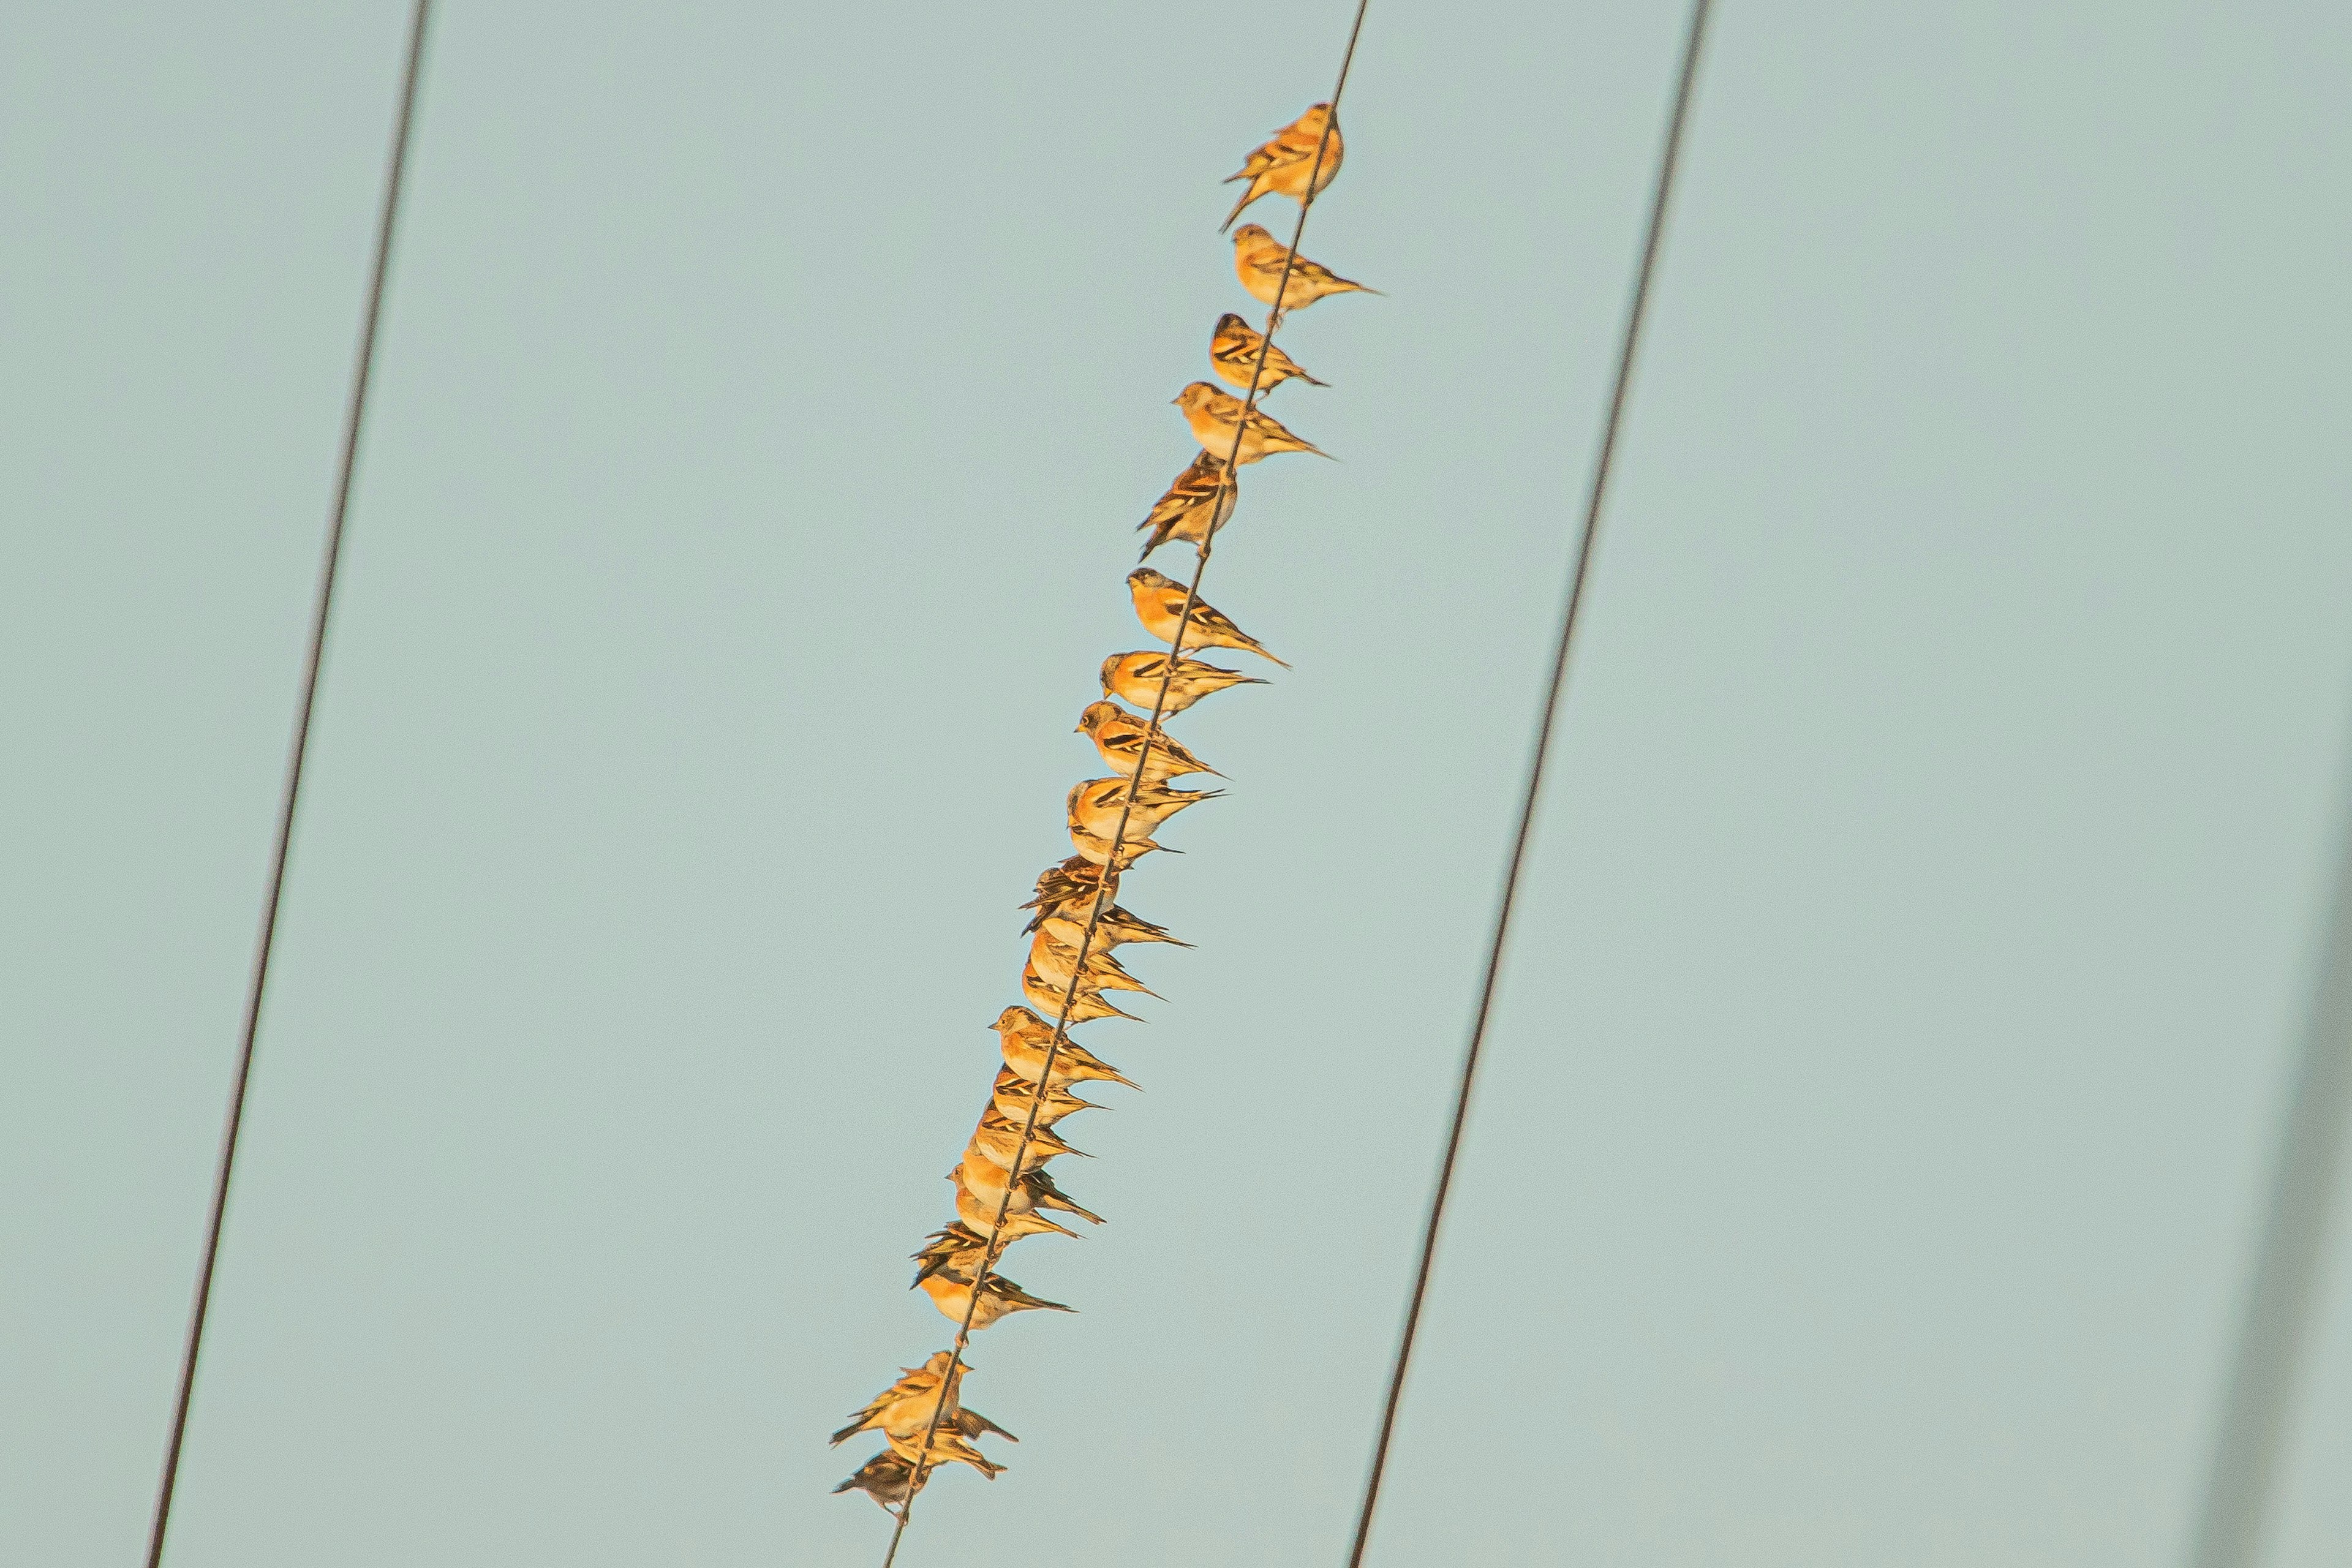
(1199, 503)
(999, 1298)
(999, 1137)
(1100, 807)
(1134, 678)
(884, 1478)
(1258, 260)
(1054, 962)
(1160, 602)
(945, 1447)
(1284, 165)
(1066, 899)
(980, 1217)
(1012, 1096)
(1213, 415)
(1026, 1038)
(1233, 350)
(1119, 736)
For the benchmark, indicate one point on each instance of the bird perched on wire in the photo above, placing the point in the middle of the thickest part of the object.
(1054, 961)
(904, 1409)
(1099, 805)
(1119, 736)
(999, 1299)
(1026, 1038)
(998, 1138)
(1135, 678)
(1014, 1095)
(1085, 1003)
(1199, 503)
(1284, 165)
(1213, 413)
(1233, 350)
(1160, 602)
(1035, 1190)
(1093, 845)
(884, 1478)
(980, 1219)
(1258, 260)
(945, 1447)
(1066, 898)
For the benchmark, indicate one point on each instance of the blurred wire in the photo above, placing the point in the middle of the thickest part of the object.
(2260, 1397)
(1668, 163)
(354, 416)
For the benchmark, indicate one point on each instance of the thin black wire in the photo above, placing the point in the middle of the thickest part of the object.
(2274, 1333)
(1134, 781)
(1668, 164)
(354, 417)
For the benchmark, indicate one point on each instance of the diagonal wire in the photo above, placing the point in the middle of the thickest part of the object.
(1669, 160)
(354, 418)
(1104, 883)
(2273, 1334)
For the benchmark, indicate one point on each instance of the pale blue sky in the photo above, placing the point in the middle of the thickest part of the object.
(1917, 928)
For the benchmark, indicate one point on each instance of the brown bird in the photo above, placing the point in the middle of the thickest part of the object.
(999, 1298)
(1100, 807)
(1066, 898)
(904, 1409)
(1012, 1096)
(1135, 678)
(945, 1447)
(1115, 928)
(1026, 1038)
(1213, 416)
(1119, 736)
(1054, 961)
(1199, 503)
(998, 1138)
(1086, 1004)
(1068, 886)
(884, 1478)
(1283, 166)
(1234, 354)
(1160, 600)
(980, 1219)
(1258, 260)
(1093, 845)
(987, 1183)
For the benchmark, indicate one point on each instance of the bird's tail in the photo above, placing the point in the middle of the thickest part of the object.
(1259, 649)
(844, 1436)
(1248, 197)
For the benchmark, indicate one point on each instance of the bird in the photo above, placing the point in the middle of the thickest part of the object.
(1116, 928)
(1212, 416)
(1064, 898)
(1054, 962)
(1082, 1005)
(1093, 845)
(1233, 350)
(954, 1246)
(1283, 166)
(999, 1298)
(999, 1137)
(1258, 261)
(1014, 1095)
(1135, 678)
(1119, 736)
(1026, 1038)
(945, 1447)
(1199, 503)
(1160, 601)
(884, 1478)
(989, 1182)
(1102, 807)
(980, 1219)
(1047, 1195)
(904, 1409)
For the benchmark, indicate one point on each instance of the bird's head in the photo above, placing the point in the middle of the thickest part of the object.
(1194, 395)
(1097, 714)
(1145, 577)
(1230, 322)
(1016, 1019)
(1252, 235)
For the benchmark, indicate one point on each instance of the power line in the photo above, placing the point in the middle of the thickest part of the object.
(2273, 1334)
(354, 418)
(1669, 161)
(1135, 782)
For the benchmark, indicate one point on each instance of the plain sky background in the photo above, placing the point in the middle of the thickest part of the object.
(1917, 932)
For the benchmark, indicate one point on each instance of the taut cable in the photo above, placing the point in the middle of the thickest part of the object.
(354, 417)
(1660, 195)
